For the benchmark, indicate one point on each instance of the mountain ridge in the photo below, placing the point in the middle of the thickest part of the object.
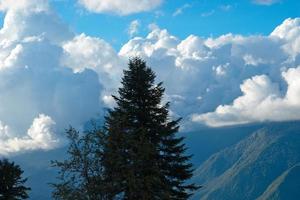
(290, 190)
(246, 169)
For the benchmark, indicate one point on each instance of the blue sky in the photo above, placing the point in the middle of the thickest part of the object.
(200, 17)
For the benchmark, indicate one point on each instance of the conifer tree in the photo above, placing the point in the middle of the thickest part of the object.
(143, 157)
(12, 185)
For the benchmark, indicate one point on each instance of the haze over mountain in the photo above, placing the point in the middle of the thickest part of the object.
(264, 165)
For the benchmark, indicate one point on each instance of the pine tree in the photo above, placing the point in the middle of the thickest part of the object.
(143, 157)
(11, 181)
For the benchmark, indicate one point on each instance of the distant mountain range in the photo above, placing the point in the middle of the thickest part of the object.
(235, 163)
(264, 166)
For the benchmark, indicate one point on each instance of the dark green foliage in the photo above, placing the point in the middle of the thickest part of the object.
(143, 157)
(11, 182)
(81, 175)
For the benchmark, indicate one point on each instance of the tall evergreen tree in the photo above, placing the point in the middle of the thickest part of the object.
(143, 157)
(12, 185)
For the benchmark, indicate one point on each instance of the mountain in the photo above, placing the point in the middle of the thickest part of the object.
(242, 162)
(202, 143)
(286, 186)
(206, 141)
(264, 165)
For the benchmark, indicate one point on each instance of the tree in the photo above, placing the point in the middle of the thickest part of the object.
(11, 181)
(81, 174)
(136, 155)
(143, 158)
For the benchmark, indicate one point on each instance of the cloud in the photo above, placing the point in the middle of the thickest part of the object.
(269, 95)
(51, 78)
(289, 31)
(40, 96)
(89, 53)
(208, 72)
(40, 135)
(181, 9)
(261, 101)
(266, 2)
(25, 5)
(133, 28)
(85, 52)
(120, 7)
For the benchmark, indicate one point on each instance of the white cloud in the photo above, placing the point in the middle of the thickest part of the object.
(133, 28)
(33, 82)
(261, 101)
(214, 69)
(156, 40)
(85, 52)
(289, 31)
(25, 5)
(255, 91)
(46, 69)
(266, 2)
(41, 135)
(120, 7)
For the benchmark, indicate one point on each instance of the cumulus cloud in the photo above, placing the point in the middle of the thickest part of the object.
(157, 39)
(289, 31)
(208, 72)
(120, 7)
(85, 52)
(41, 135)
(40, 96)
(261, 101)
(50, 77)
(272, 94)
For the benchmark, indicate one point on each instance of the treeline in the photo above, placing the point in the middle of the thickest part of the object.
(135, 155)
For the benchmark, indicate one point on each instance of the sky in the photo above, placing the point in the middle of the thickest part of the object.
(223, 63)
(181, 17)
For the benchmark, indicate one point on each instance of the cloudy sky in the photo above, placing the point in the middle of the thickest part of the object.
(222, 62)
